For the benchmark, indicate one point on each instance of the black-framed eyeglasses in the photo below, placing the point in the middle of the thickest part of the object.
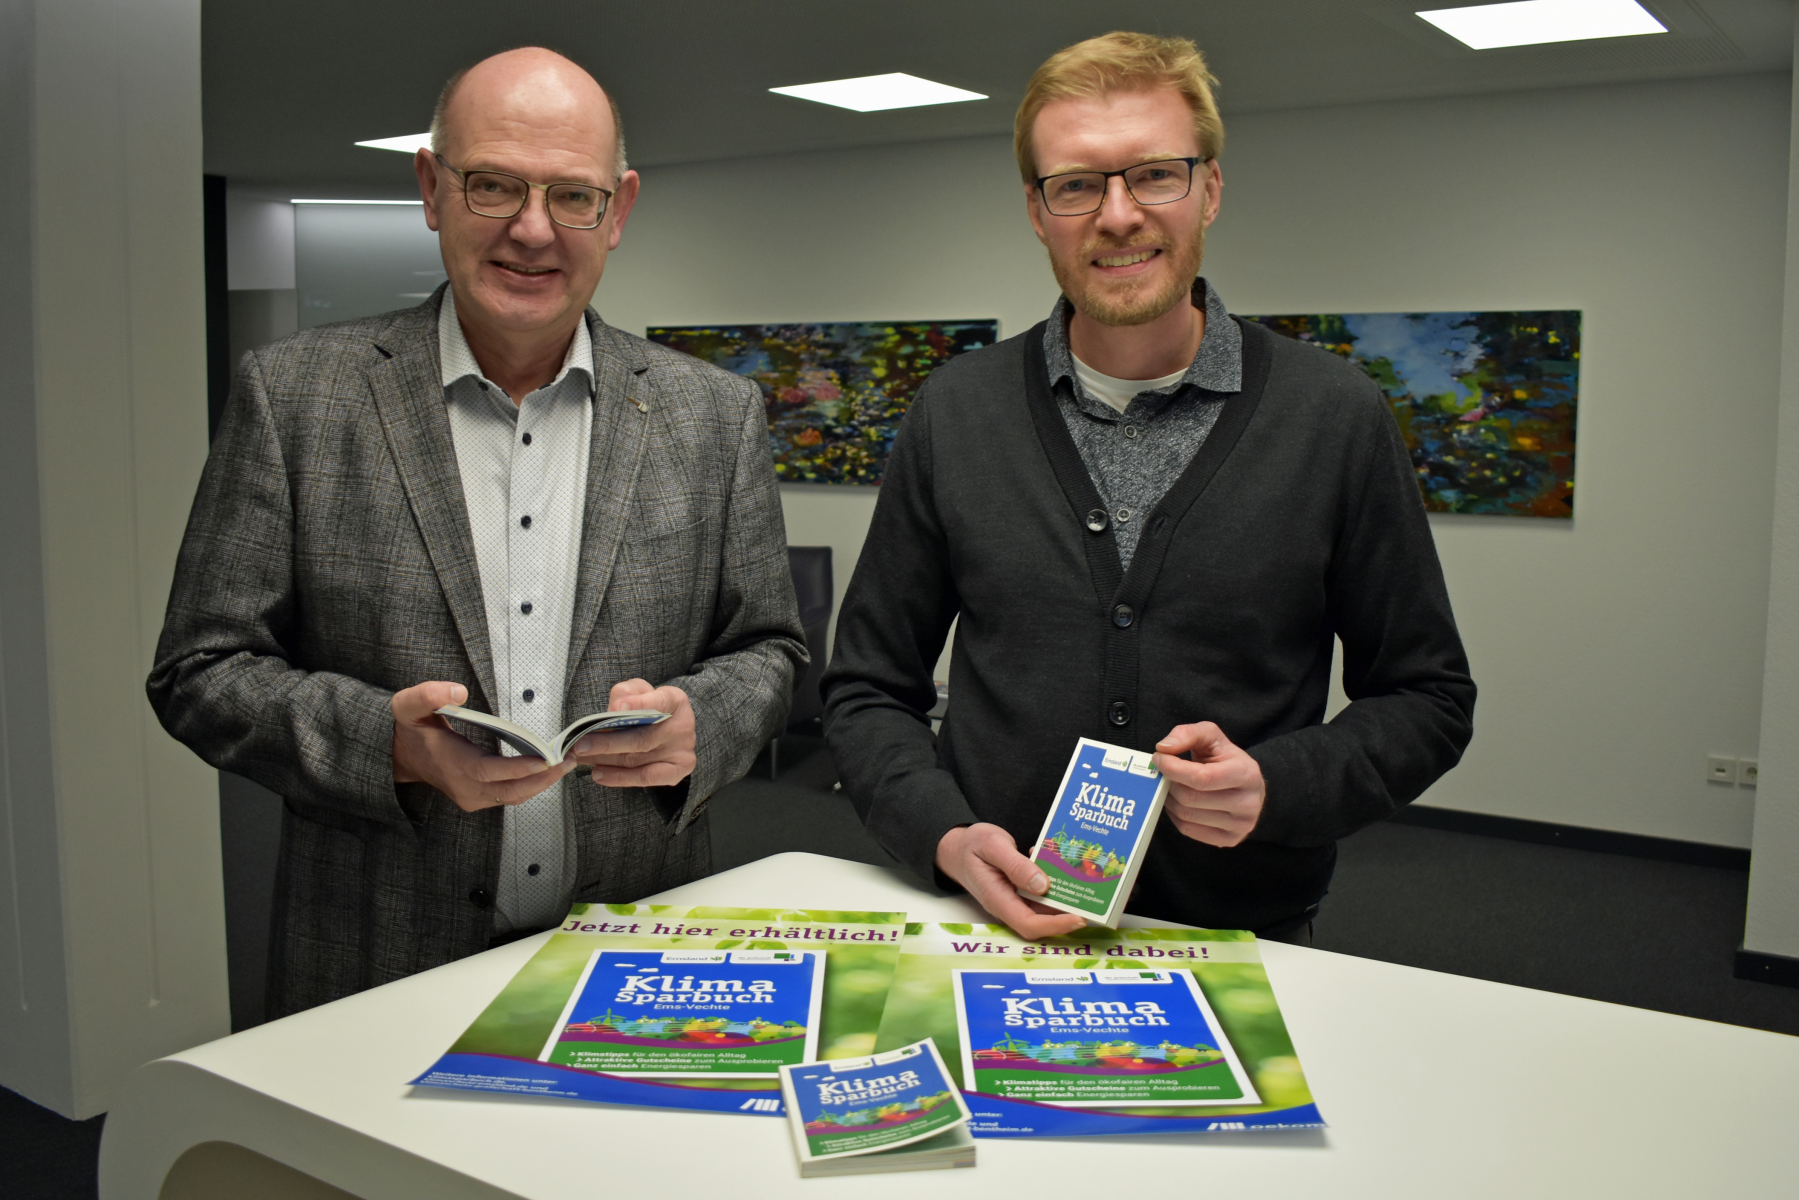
(502, 197)
(1077, 193)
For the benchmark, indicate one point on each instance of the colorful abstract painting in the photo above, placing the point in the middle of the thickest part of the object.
(835, 393)
(1486, 401)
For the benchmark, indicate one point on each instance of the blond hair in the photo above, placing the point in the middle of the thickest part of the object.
(1116, 62)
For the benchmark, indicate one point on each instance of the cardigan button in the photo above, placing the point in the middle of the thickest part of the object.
(481, 898)
(1122, 616)
(1120, 713)
(1097, 520)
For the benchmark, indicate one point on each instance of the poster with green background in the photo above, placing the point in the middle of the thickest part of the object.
(1226, 965)
(500, 1051)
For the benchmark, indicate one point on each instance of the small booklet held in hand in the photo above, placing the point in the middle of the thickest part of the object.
(555, 749)
(894, 1111)
(1098, 830)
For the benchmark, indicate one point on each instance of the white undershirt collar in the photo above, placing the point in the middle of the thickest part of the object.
(1119, 393)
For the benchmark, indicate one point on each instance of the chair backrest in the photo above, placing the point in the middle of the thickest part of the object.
(813, 587)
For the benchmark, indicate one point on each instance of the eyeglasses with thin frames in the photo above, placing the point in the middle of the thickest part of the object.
(502, 197)
(1077, 193)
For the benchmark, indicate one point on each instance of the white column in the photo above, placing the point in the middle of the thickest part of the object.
(112, 948)
(1773, 922)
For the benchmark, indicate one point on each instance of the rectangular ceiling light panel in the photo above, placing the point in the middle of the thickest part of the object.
(405, 144)
(1534, 22)
(872, 93)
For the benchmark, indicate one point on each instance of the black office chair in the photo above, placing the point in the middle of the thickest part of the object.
(813, 587)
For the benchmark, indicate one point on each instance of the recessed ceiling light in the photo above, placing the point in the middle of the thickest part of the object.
(1533, 22)
(872, 93)
(355, 201)
(405, 144)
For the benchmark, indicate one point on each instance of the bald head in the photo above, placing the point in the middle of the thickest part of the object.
(525, 88)
(522, 277)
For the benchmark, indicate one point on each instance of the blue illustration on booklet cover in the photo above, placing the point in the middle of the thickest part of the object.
(1095, 1038)
(862, 1104)
(1094, 827)
(691, 1012)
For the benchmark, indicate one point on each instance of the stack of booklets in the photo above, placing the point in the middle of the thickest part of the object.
(895, 1111)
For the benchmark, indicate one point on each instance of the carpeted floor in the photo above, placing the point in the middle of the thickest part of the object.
(43, 1156)
(1627, 930)
(1633, 931)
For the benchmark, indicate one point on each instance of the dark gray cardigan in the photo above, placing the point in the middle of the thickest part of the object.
(1296, 521)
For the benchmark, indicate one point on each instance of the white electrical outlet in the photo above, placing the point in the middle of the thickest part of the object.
(1748, 771)
(1720, 768)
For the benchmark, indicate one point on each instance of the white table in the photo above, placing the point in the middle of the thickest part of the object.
(1434, 1085)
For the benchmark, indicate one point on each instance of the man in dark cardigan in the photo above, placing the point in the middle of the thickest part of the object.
(1153, 521)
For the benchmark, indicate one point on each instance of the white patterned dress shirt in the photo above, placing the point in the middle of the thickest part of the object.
(524, 479)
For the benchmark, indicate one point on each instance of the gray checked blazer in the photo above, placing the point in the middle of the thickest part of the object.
(328, 563)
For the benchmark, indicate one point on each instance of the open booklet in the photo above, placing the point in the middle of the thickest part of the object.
(553, 750)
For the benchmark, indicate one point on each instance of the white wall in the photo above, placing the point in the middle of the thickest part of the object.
(1773, 917)
(259, 252)
(841, 236)
(111, 925)
(34, 1009)
(259, 242)
(1614, 651)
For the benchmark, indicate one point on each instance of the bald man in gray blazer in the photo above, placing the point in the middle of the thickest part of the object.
(492, 499)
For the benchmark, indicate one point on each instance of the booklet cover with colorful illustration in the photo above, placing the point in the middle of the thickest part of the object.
(1066, 1037)
(1096, 1038)
(858, 1106)
(664, 1006)
(1098, 830)
(729, 1014)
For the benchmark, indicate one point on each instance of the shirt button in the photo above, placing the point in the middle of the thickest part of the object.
(1130, 431)
(1124, 514)
(1122, 616)
(527, 438)
(533, 869)
(530, 695)
(1097, 521)
(525, 522)
(1119, 713)
(525, 608)
(480, 898)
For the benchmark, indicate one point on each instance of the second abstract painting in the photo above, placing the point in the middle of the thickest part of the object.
(1486, 401)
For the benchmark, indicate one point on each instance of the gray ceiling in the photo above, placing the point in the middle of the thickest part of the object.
(290, 85)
